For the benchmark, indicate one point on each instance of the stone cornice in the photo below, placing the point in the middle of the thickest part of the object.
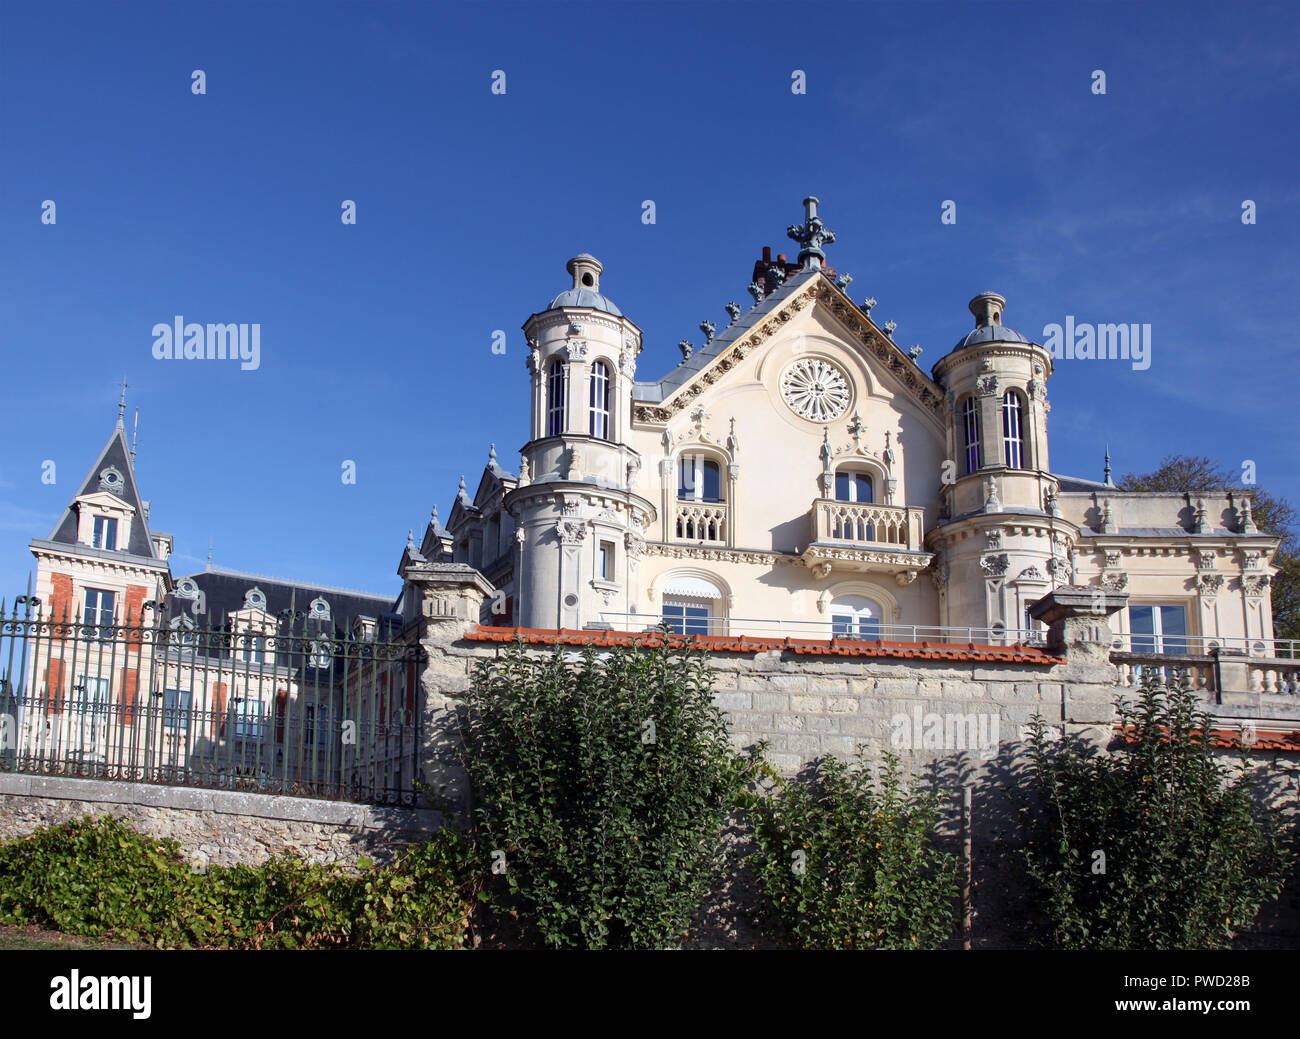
(96, 557)
(721, 555)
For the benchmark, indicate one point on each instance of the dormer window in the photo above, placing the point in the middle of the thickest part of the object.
(104, 533)
(253, 649)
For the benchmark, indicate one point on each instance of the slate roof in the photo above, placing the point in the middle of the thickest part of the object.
(117, 455)
(655, 392)
(224, 590)
(990, 334)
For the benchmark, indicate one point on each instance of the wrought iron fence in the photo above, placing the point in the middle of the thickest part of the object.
(279, 705)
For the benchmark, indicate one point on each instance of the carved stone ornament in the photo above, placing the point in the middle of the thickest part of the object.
(1031, 573)
(110, 480)
(570, 532)
(994, 539)
(1115, 582)
(634, 544)
(1255, 585)
(1206, 559)
(995, 565)
(1112, 559)
(1209, 585)
(815, 389)
(577, 349)
(988, 386)
(822, 571)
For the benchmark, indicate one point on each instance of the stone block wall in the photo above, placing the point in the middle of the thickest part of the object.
(216, 827)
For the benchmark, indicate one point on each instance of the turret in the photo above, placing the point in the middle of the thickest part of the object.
(1001, 541)
(579, 480)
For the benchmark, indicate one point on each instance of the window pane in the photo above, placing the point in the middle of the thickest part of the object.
(863, 487)
(1141, 623)
(1173, 629)
(686, 477)
(712, 482)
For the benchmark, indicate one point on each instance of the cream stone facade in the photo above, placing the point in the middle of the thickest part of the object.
(799, 473)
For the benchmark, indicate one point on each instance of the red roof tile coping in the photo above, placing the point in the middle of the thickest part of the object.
(1265, 739)
(969, 651)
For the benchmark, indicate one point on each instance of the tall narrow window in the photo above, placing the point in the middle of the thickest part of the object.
(104, 533)
(970, 421)
(557, 392)
(98, 610)
(598, 408)
(607, 561)
(1013, 431)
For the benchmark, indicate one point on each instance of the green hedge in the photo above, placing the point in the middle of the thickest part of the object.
(99, 877)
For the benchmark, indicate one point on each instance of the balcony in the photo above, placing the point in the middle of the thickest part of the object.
(704, 523)
(866, 538)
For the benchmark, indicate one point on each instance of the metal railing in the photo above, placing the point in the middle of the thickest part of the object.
(300, 711)
(828, 629)
(1206, 645)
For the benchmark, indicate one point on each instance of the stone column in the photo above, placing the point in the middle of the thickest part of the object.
(451, 597)
(1078, 626)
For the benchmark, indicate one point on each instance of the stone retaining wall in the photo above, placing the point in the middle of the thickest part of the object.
(216, 827)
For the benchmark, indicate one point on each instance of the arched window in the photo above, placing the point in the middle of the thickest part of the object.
(598, 407)
(855, 617)
(970, 424)
(853, 486)
(1013, 431)
(557, 392)
(699, 479)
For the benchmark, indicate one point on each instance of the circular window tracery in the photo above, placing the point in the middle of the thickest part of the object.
(815, 389)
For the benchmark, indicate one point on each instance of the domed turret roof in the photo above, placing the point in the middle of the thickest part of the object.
(987, 308)
(585, 298)
(586, 270)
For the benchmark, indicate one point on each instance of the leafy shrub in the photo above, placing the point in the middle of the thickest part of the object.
(605, 781)
(99, 877)
(848, 859)
(1186, 859)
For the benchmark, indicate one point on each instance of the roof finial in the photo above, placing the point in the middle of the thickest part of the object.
(433, 516)
(492, 454)
(121, 406)
(410, 538)
(209, 566)
(135, 435)
(1107, 480)
(812, 235)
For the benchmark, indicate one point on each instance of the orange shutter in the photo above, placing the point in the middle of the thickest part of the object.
(130, 677)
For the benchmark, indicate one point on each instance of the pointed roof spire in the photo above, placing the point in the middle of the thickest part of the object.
(121, 406)
(1106, 473)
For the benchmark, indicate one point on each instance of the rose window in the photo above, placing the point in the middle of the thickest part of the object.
(815, 389)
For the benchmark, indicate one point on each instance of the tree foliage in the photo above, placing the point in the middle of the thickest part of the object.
(848, 859)
(602, 784)
(1158, 846)
(1276, 516)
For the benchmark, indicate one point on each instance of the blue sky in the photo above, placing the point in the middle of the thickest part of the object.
(376, 338)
